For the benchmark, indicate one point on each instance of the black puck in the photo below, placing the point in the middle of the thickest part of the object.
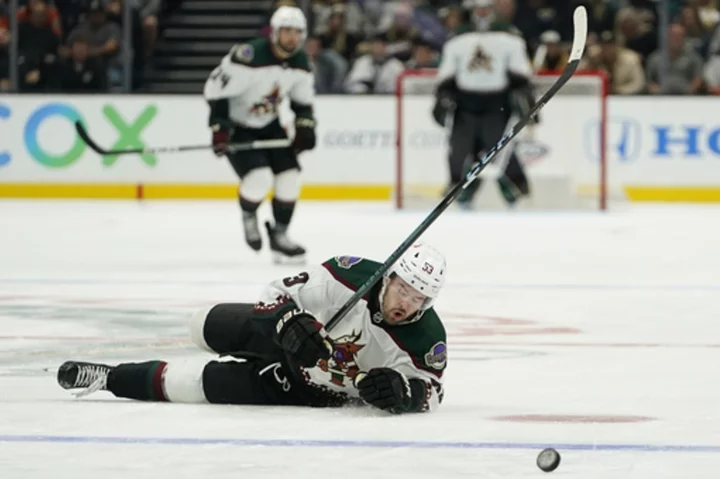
(548, 460)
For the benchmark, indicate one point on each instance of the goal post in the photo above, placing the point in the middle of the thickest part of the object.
(565, 155)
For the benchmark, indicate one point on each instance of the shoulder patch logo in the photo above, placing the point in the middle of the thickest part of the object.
(244, 53)
(347, 262)
(437, 356)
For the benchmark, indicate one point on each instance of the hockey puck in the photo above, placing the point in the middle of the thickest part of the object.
(548, 460)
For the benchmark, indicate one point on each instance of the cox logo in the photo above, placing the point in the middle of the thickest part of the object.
(4, 155)
(129, 134)
(32, 127)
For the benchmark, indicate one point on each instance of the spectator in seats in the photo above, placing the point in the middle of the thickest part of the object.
(375, 72)
(684, 75)
(623, 66)
(555, 56)
(695, 34)
(81, 73)
(52, 16)
(712, 74)
(37, 50)
(636, 35)
(401, 34)
(72, 12)
(104, 37)
(353, 18)
(454, 20)
(423, 55)
(4, 58)
(534, 17)
(646, 11)
(328, 67)
(714, 44)
(708, 13)
(337, 38)
(114, 10)
(601, 14)
(149, 11)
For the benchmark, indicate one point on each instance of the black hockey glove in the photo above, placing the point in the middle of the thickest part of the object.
(385, 389)
(303, 337)
(304, 135)
(444, 105)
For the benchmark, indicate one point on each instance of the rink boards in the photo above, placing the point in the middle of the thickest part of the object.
(657, 148)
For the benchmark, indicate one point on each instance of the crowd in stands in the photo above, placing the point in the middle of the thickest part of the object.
(75, 45)
(361, 46)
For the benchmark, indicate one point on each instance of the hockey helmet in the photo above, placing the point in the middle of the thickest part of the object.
(423, 268)
(288, 17)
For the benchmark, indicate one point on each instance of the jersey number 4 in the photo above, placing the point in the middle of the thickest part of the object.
(219, 75)
(299, 279)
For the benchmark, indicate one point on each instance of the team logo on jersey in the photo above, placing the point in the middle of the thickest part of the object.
(342, 363)
(347, 262)
(480, 60)
(269, 103)
(437, 356)
(244, 53)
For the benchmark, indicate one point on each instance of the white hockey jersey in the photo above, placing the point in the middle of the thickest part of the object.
(256, 83)
(481, 61)
(362, 341)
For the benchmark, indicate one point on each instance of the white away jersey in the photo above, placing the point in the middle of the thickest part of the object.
(362, 340)
(480, 61)
(256, 83)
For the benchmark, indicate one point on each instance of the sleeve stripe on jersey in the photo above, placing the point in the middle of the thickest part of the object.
(339, 278)
(418, 364)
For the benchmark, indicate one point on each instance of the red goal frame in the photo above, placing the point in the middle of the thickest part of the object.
(431, 72)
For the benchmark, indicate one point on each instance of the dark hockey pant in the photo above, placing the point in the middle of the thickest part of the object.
(476, 133)
(262, 379)
(277, 159)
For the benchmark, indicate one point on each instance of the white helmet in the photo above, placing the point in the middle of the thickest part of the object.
(422, 267)
(288, 17)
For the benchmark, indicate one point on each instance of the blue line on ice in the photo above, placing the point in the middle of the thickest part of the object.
(187, 441)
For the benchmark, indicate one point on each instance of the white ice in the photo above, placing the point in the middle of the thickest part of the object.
(556, 323)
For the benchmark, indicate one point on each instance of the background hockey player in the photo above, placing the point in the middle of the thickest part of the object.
(479, 74)
(245, 93)
(389, 351)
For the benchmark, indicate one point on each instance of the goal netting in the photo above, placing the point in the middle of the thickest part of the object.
(564, 155)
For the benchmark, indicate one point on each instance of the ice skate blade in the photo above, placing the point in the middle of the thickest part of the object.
(279, 258)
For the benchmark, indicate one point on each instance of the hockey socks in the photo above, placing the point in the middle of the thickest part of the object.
(141, 381)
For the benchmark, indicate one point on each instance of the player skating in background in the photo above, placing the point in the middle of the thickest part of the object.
(389, 351)
(483, 75)
(244, 94)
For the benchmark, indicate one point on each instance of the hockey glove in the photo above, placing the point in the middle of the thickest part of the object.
(220, 139)
(303, 337)
(444, 105)
(304, 135)
(385, 389)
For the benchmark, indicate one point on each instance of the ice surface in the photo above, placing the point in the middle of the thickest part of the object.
(563, 330)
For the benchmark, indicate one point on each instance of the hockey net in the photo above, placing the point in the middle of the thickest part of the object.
(564, 155)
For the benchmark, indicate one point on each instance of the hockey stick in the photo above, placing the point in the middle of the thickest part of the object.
(578, 46)
(252, 145)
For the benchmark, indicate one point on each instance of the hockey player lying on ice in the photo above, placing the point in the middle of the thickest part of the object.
(389, 351)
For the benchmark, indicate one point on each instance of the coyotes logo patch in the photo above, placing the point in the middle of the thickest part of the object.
(269, 103)
(342, 363)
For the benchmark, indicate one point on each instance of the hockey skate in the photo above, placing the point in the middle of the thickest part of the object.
(511, 191)
(90, 376)
(283, 250)
(252, 231)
